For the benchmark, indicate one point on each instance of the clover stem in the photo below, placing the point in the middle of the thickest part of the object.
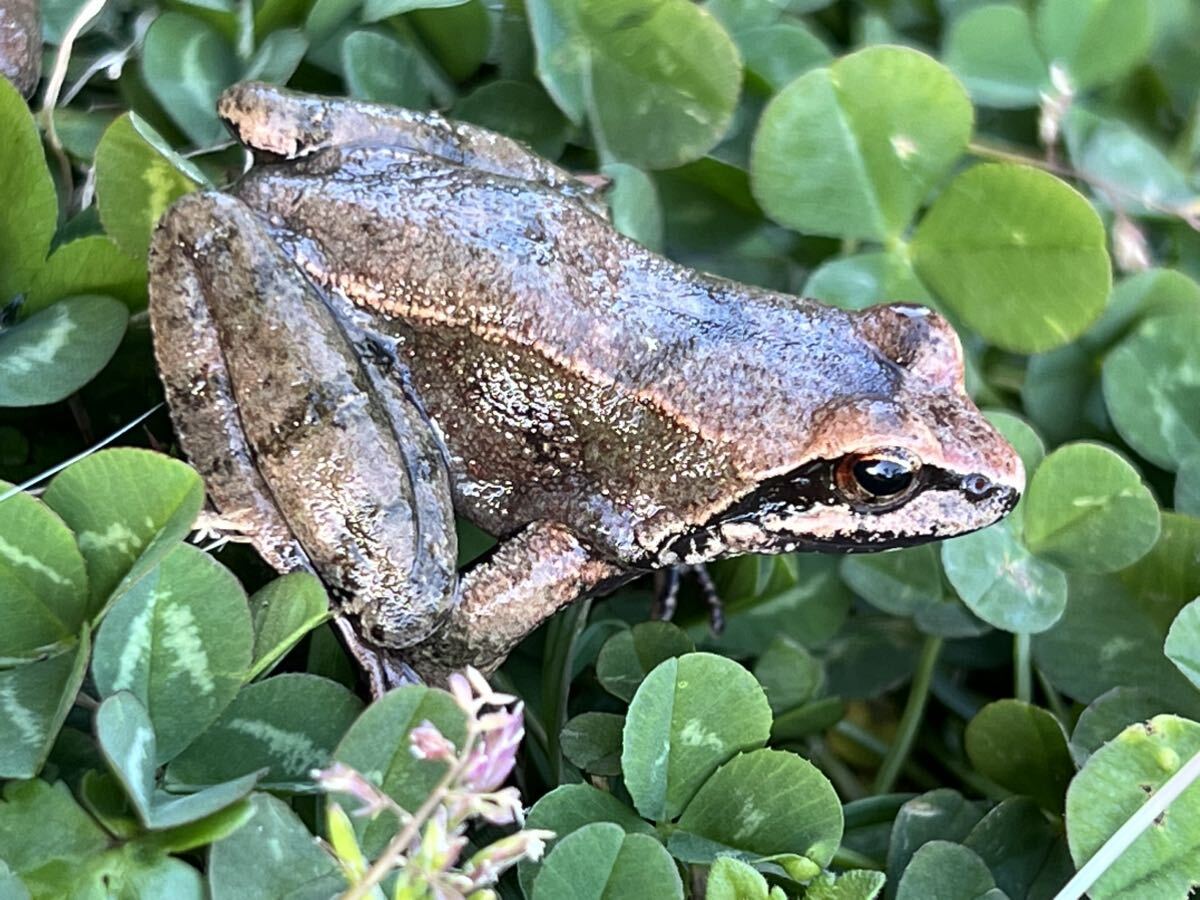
(398, 846)
(1023, 668)
(1055, 701)
(910, 721)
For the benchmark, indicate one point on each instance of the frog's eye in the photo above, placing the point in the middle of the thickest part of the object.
(879, 477)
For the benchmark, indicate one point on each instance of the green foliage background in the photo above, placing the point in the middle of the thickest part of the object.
(994, 707)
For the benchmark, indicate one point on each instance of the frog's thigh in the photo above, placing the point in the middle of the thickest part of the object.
(198, 387)
(526, 580)
(367, 498)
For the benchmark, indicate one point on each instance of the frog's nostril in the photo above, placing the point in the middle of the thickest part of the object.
(977, 486)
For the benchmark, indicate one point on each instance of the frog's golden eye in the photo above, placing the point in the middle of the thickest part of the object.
(878, 477)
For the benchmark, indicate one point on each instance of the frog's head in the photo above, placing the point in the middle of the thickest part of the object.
(883, 468)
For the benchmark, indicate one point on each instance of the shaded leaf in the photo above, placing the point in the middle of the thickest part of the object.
(1096, 41)
(627, 656)
(127, 742)
(600, 860)
(273, 856)
(520, 110)
(34, 701)
(658, 80)
(381, 68)
(30, 210)
(42, 826)
(568, 808)
(761, 803)
(55, 352)
(183, 630)
(271, 725)
(137, 178)
(939, 815)
(1110, 714)
(283, 612)
(944, 871)
(991, 48)
(592, 741)
(1021, 748)
(377, 746)
(88, 265)
(128, 508)
(789, 674)
(43, 581)
(1183, 642)
(186, 64)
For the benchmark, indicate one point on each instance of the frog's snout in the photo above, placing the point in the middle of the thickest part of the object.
(978, 488)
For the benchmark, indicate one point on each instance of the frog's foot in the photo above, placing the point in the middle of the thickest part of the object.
(278, 123)
(213, 530)
(382, 668)
(666, 601)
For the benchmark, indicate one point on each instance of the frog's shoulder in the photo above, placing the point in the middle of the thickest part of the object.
(278, 123)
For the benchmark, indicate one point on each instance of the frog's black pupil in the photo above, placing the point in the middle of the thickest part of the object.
(882, 477)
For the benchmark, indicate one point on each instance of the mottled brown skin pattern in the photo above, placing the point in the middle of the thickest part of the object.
(21, 43)
(398, 314)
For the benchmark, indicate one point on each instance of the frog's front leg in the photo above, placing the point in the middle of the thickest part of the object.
(526, 580)
(275, 407)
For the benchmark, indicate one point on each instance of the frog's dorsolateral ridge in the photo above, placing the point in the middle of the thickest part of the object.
(20, 44)
(394, 318)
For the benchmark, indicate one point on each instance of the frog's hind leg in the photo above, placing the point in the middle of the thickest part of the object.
(199, 390)
(340, 452)
(287, 124)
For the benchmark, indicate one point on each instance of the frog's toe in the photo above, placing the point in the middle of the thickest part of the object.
(666, 601)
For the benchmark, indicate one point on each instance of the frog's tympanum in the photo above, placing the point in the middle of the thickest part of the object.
(20, 43)
(394, 318)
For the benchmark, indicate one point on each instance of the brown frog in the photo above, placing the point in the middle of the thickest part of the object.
(394, 318)
(21, 43)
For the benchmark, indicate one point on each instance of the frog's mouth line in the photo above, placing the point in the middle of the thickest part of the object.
(801, 496)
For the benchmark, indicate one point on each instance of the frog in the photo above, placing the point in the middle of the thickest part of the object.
(393, 319)
(21, 44)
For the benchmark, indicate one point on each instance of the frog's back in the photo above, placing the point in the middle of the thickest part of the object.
(573, 374)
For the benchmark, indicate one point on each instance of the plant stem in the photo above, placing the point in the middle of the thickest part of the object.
(1056, 704)
(987, 151)
(399, 845)
(910, 721)
(984, 787)
(915, 772)
(848, 786)
(54, 84)
(561, 641)
(845, 858)
(1023, 668)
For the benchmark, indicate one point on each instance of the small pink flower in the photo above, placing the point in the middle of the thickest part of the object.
(341, 779)
(487, 865)
(493, 760)
(472, 692)
(429, 743)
